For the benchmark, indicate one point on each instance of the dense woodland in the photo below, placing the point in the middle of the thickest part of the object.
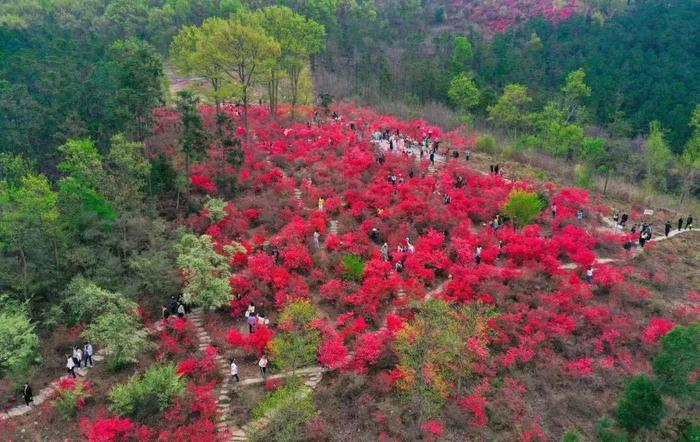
(118, 192)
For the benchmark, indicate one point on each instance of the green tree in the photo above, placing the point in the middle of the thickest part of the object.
(128, 172)
(657, 158)
(575, 90)
(138, 74)
(205, 272)
(242, 52)
(195, 138)
(85, 301)
(437, 349)
(690, 158)
(464, 93)
(19, 343)
(641, 405)
(286, 410)
(299, 39)
(120, 335)
(190, 56)
(678, 360)
(523, 207)
(462, 53)
(510, 110)
(296, 344)
(30, 231)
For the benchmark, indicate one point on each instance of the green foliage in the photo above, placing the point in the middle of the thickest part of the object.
(583, 176)
(572, 435)
(195, 138)
(658, 155)
(462, 53)
(486, 143)
(216, 207)
(510, 111)
(287, 410)
(437, 349)
(353, 267)
(641, 405)
(575, 90)
(120, 335)
(68, 401)
(678, 359)
(606, 433)
(19, 343)
(147, 396)
(85, 301)
(523, 207)
(464, 93)
(690, 432)
(296, 343)
(204, 271)
(156, 271)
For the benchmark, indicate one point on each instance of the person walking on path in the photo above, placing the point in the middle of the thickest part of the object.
(181, 311)
(579, 216)
(385, 251)
(262, 363)
(680, 223)
(27, 394)
(667, 228)
(165, 313)
(477, 255)
(87, 354)
(589, 275)
(554, 210)
(317, 235)
(689, 223)
(234, 371)
(70, 365)
(77, 356)
(432, 158)
(252, 320)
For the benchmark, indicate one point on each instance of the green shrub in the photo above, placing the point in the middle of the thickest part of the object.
(149, 395)
(486, 144)
(353, 267)
(120, 335)
(571, 435)
(287, 410)
(523, 207)
(18, 340)
(678, 359)
(296, 344)
(690, 432)
(641, 405)
(606, 433)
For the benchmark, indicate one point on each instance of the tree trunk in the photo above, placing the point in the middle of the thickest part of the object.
(605, 186)
(294, 80)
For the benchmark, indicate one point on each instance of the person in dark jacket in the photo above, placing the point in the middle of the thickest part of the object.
(680, 223)
(27, 394)
(689, 222)
(667, 228)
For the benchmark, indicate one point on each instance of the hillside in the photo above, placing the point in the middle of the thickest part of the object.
(552, 355)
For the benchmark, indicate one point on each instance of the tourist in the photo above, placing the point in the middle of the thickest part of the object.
(70, 365)
(173, 306)
(623, 219)
(446, 199)
(467, 155)
(317, 235)
(680, 223)
(77, 356)
(409, 247)
(579, 216)
(321, 201)
(181, 311)
(374, 235)
(667, 228)
(554, 210)
(432, 158)
(634, 229)
(491, 167)
(689, 223)
(87, 354)
(263, 365)
(250, 309)
(165, 313)
(27, 394)
(399, 266)
(495, 169)
(251, 321)
(234, 371)
(385, 251)
(261, 319)
(589, 274)
(477, 255)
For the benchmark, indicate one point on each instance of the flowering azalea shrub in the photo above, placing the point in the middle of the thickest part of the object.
(71, 395)
(306, 226)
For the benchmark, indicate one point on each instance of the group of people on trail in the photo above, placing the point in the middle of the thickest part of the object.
(262, 365)
(495, 169)
(174, 308)
(80, 358)
(254, 318)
